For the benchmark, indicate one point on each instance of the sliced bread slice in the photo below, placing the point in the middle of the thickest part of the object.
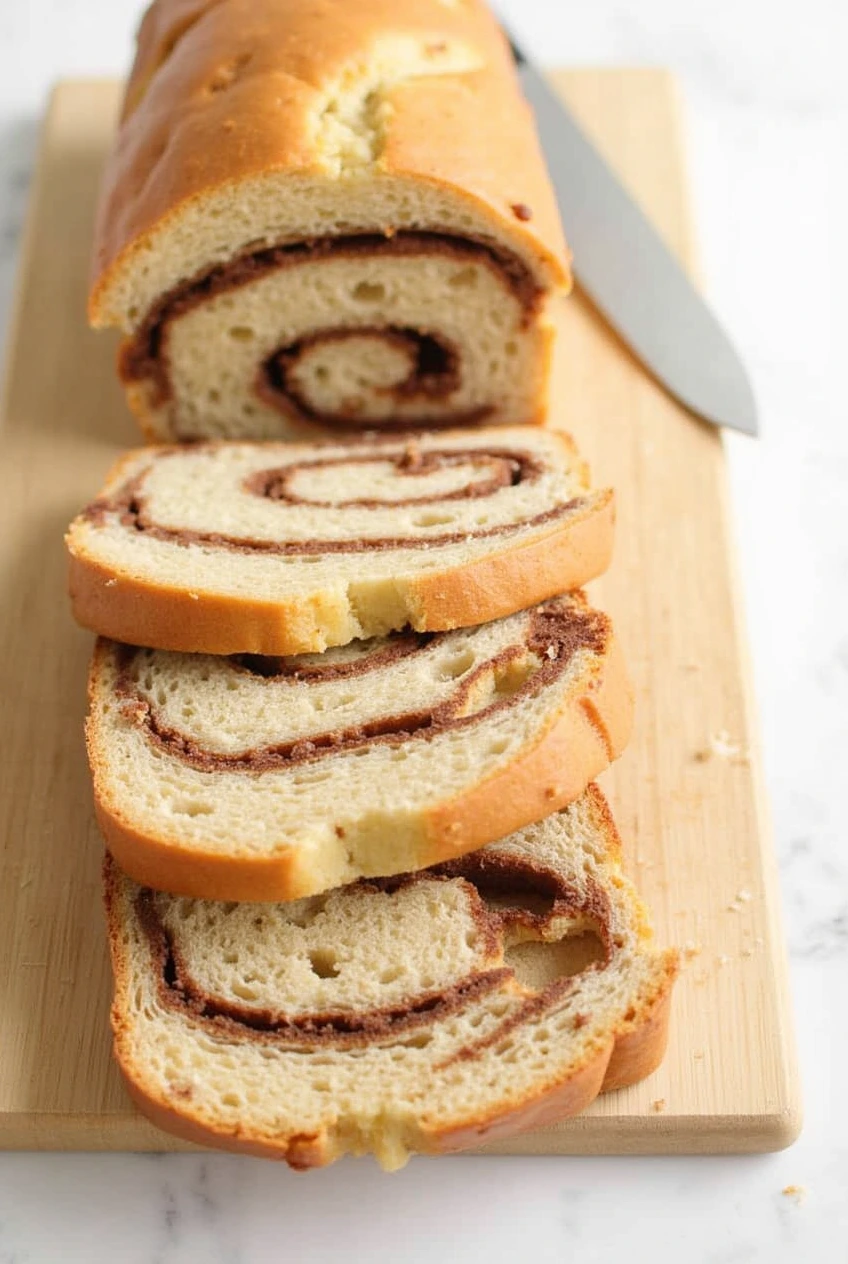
(427, 1013)
(265, 779)
(290, 548)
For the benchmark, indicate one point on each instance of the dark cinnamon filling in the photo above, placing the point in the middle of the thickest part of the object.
(434, 373)
(503, 469)
(556, 633)
(435, 369)
(316, 667)
(178, 991)
(508, 468)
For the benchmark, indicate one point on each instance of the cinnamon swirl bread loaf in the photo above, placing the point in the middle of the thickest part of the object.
(261, 779)
(428, 1013)
(326, 212)
(287, 548)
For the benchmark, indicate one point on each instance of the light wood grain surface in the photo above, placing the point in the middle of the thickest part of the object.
(688, 794)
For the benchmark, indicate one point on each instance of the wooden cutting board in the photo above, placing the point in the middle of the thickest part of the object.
(688, 794)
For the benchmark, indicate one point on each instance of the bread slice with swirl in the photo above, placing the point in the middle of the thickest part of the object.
(287, 549)
(326, 213)
(260, 779)
(429, 1013)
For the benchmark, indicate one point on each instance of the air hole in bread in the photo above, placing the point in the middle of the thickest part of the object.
(311, 778)
(242, 333)
(456, 665)
(191, 807)
(501, 683)
(368, 292)
(303, 912)
(419, 1041)
(324, 963)
(434, 519)
(464, 279)
(536, 964)
(534, 902)
(244, 992)
(391, 975)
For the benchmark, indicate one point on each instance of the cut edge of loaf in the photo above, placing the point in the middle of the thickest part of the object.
(587, 734)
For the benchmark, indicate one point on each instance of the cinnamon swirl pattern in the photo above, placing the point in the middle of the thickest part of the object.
(284, 549)
(489, 994)
(257, 778)
(350, 333)
(326, 215)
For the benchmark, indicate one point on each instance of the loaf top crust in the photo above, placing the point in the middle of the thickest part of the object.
(251, 122)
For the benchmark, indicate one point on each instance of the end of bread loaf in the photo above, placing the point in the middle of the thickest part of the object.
(329, 215)
(425, 1014)
(394, 120)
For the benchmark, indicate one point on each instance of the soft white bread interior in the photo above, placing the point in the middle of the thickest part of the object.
(271, 779)
(289, 548)
(426, 1014)
(378, 337)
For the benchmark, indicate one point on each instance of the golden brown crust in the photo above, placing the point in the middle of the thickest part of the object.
(576, 748)
(633, 1056)
(549, 1106)
(135, 611)
(550, 775)
(211, 79)
(640, 1049)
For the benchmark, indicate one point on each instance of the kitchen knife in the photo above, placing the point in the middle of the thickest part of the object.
(624, 267)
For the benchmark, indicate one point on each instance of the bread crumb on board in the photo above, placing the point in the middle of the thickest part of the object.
(658, 1105)
(722, 746)
(741, 898)
(798, 1192)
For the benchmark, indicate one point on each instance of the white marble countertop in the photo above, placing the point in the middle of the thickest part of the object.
(767, 111)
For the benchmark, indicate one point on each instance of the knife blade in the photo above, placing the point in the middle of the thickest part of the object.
(631, 276)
